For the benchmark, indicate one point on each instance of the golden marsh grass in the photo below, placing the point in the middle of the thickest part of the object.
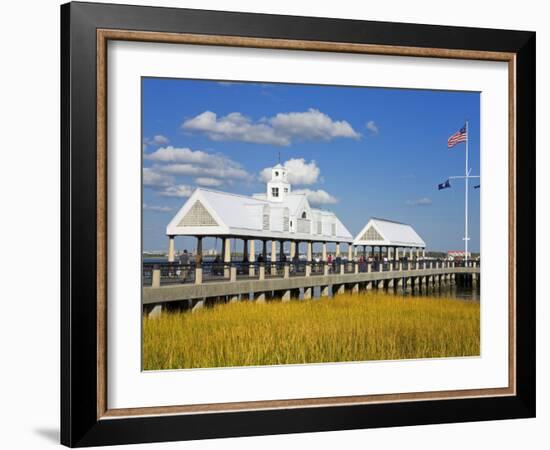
(364, 327)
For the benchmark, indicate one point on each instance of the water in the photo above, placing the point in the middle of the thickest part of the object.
(456, 291)
(453, 291)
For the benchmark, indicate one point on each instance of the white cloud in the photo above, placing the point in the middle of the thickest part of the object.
(312, 124)
(208, 182)
(234, 127)
(215, 172)
(280, 130)
(423, 201)
(196, 163)
(185, 155)
(157, 208)
(180, 190)
(372, 127)
(318, 197)
(157, 140)
(298, 172)
(152, 177)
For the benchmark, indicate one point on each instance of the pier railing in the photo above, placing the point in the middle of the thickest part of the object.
(168, 273)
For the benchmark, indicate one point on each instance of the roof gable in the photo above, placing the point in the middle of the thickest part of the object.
(197, 212)
(387, 232)
(371, 234)
(197, 216)
(296, 203)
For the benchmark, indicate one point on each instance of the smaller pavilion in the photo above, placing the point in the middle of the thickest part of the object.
(393, 240)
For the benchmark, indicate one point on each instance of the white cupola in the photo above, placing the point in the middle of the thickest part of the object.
(278, 186)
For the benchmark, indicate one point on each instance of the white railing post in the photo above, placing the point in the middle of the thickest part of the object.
(198, 275)
(155, 281)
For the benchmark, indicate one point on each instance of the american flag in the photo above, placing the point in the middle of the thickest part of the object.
(458, 137)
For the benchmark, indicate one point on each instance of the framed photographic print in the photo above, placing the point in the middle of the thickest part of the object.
(277, 224)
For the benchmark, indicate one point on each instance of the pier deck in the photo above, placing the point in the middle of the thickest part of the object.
(345, 280)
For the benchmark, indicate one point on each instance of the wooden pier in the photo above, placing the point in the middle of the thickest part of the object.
(287, 283)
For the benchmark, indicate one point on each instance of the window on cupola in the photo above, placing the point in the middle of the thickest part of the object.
(275, 192)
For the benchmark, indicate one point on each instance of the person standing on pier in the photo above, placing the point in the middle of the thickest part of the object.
(184, 261)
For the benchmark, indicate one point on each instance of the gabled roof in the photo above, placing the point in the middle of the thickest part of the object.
(214, 213)
(341, 229)
(388, 232)
(295, 203)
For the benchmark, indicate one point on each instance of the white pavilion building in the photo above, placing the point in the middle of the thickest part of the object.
(391, 236)
(278, 215)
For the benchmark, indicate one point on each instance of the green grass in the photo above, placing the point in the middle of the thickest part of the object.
(362, 327)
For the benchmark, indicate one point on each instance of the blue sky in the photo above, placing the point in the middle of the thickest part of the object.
(360, 152)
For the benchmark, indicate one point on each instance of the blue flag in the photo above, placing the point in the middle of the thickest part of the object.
(445, 185)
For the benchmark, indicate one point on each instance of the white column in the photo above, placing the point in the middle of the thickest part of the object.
(309, 257)
(251, 251)
(226, 256)
(273, 251)
(292, 250)
(396, 253)
(171, 251)
(198, 261)
(325, 266)
(227, 250)
(273, 257)
(337, 249)
(252, 258)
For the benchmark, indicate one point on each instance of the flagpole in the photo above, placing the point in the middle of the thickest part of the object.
(453, 140)
(466, 177)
